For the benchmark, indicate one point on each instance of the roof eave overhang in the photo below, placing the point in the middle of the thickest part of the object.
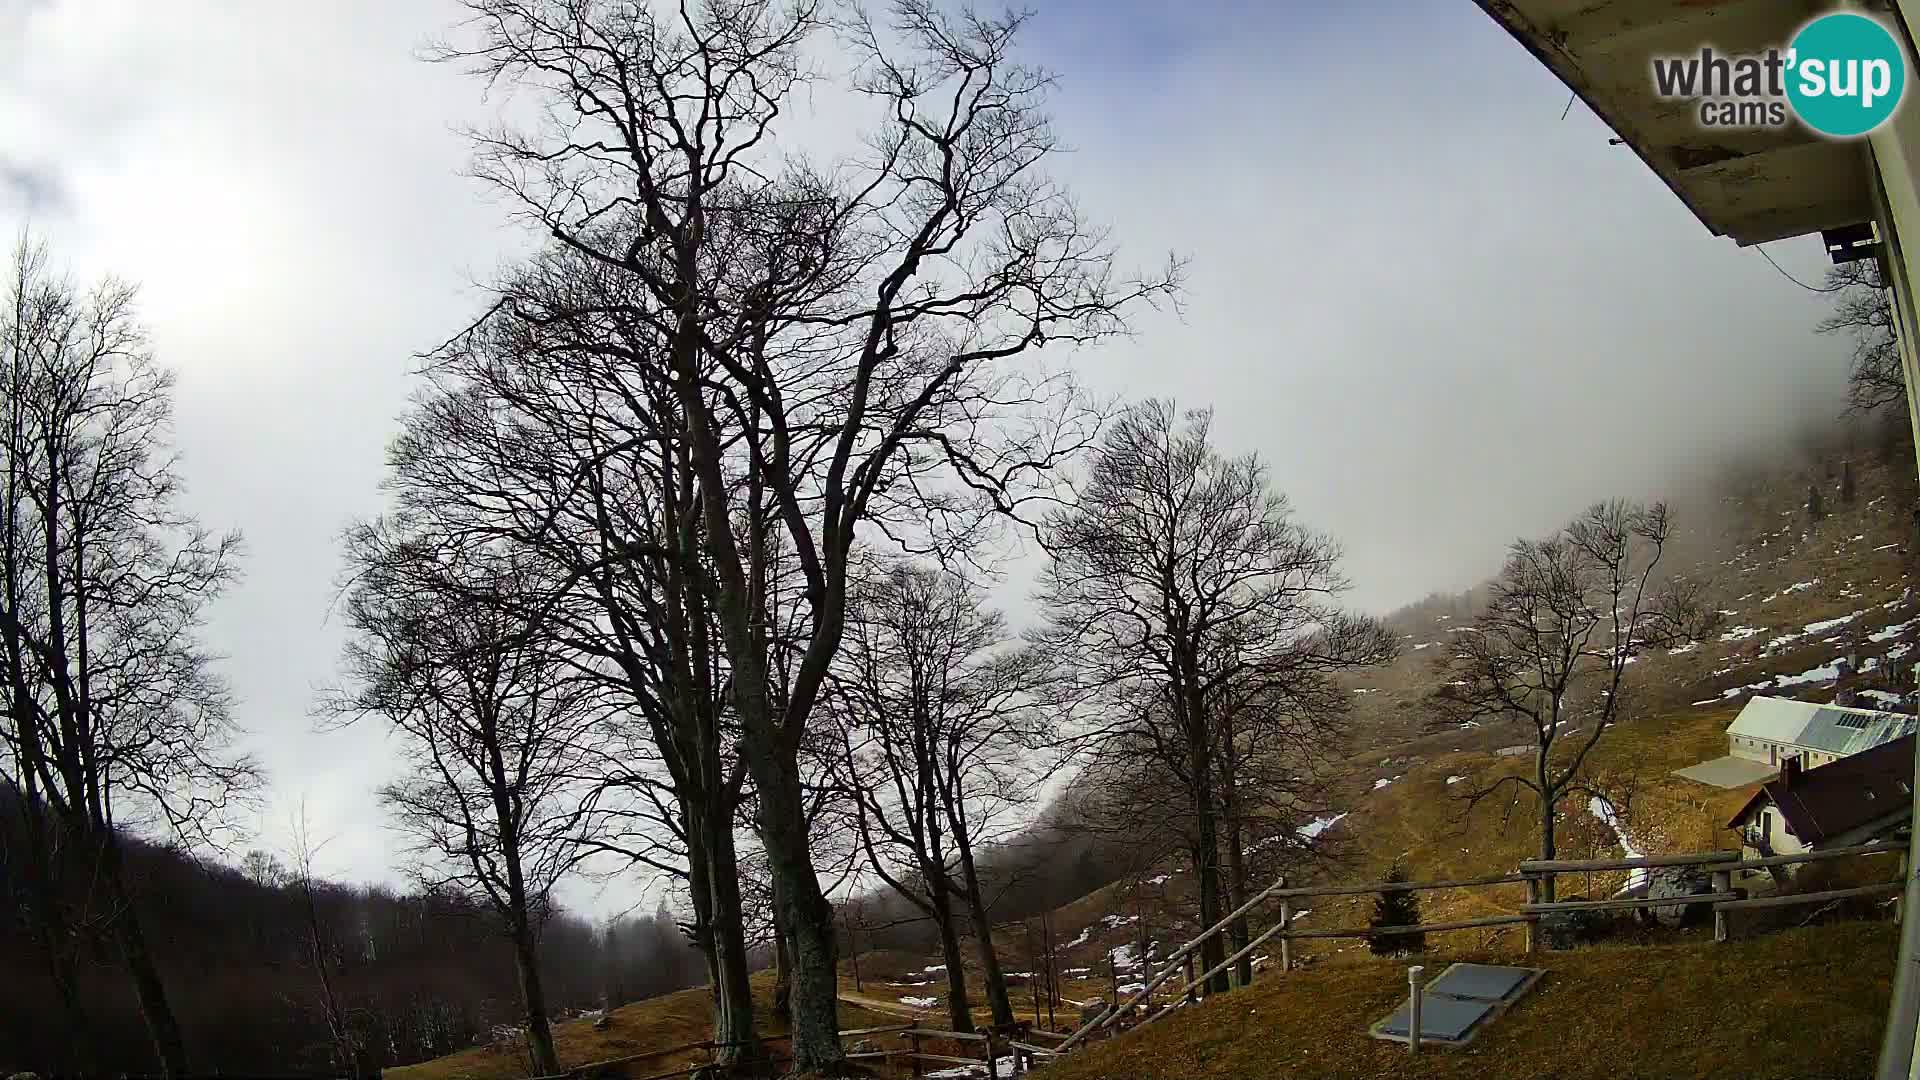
(1753, 186)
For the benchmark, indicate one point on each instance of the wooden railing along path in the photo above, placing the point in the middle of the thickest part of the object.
(1019, 1044)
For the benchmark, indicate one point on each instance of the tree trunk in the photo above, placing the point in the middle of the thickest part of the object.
(345, 1054)
(770, 750)
(1237, 891)
(959, 1010)
(700, 892)
(168, 1044)
(782, 962)
(853, 955)
(1201, 794)
(533, 998)
(807, 918)
(733, 994)
(1547, 848)
(47, 919)
(1206, 870)
(1206, 853)
(1235, 837)
(720, 927)
(996, 979)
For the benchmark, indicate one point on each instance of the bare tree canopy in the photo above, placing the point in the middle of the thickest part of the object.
(551, 434)
(497, 730)
(946, 730)
(1566, 617)
(117, 719)
(1863, 311)
(1190, 603)
(838, 340)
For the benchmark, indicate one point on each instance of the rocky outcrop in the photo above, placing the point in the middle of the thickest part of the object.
(1667, 882)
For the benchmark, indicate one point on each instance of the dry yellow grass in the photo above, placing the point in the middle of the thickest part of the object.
(1758, 552)
(1803, 1004)
(655, 1024)
(1426, 824)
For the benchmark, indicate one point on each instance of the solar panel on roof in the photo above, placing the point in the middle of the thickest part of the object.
(1441, 1017)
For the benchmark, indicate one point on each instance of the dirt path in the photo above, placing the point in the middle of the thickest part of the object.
(881, 1005)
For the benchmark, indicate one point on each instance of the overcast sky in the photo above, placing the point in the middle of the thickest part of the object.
(1445, 315)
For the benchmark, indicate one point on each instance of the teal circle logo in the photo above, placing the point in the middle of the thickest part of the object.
(1846, 74)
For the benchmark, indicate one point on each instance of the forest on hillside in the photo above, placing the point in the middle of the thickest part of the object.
(271, 961)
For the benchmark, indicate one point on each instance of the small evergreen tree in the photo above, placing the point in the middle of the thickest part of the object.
(1398, 907)
(1816, 509)
(1846, 483)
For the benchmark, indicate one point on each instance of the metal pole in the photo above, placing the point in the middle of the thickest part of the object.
(1903, 1011)
(1892, 149)
(1413, 1008)
(1722, 883)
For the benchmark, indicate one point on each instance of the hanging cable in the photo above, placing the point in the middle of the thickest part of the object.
(1790, 277)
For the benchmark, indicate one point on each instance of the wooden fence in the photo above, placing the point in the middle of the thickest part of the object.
(1721, 865)
(1022, 1043)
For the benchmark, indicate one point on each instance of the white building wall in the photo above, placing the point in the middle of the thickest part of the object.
(1779, 840)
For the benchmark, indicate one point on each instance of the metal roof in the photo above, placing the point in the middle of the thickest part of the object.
(1825, 802)
(1751, 185)
(1828, 729)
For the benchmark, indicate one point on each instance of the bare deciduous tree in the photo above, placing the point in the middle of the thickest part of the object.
(1863, 311)
(552, 432)
(118, 721)
(945, 731)
(1566, 617)
(346, 1046)
(837, 338)
(495, 731)
(1185, 594)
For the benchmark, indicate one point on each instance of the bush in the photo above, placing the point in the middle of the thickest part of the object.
(1398, 907)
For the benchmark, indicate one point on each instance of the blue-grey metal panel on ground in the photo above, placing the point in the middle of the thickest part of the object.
(1463, 1000)
(1483, 982)
(1441, 1017)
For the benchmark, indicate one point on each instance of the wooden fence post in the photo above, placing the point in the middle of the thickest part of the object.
(1533, 924)
(1722, 883)
(913, 1048)
(1286, 935)
(1900, 898)
(993, 1062)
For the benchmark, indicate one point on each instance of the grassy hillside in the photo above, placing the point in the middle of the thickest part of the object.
(655, 1024)
(1795, 1005)
(1791, 592)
